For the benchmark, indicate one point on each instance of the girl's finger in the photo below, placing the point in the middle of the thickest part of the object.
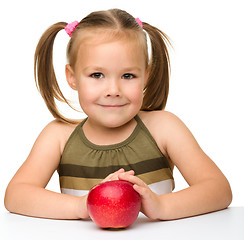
(130, 172)
(112, 176)
(131, 178)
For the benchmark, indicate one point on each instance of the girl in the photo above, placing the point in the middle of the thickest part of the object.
(126, 135)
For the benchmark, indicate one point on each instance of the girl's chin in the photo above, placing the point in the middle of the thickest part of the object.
(111, 121)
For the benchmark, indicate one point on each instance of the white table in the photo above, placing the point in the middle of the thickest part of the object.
(225, 224)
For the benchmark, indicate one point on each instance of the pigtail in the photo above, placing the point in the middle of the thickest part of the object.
(44, 71)
(157, 88)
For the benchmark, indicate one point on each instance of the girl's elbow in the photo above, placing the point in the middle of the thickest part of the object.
(9, 199)
(227, 195)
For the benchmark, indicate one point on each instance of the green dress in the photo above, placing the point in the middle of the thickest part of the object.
(84, 164)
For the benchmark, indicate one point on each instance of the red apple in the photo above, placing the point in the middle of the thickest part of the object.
(113, 204)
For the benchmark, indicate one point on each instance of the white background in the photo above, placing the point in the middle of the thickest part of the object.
(206, 86)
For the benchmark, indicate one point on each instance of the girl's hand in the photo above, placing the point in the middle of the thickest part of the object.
(150, 200)
(114, 176)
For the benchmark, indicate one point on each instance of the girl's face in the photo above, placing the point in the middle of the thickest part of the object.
(110, 77)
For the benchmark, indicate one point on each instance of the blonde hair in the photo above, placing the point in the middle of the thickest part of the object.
(157, 88)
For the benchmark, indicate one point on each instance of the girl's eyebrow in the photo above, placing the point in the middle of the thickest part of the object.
(126, 69)
(129, 69)
(96, 68)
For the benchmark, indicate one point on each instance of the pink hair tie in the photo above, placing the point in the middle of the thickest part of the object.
(71, 27)
(139, 22)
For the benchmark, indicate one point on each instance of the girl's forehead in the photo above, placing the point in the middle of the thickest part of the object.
(89, 40)
(112, 50)
(110, 54)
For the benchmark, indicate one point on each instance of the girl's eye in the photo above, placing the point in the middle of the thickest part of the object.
(128, 76)
(97, 75)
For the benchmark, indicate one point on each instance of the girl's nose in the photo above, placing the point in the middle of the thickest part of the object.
(113, 88)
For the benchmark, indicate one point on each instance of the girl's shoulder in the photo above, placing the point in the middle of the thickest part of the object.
(162, 125)
(60, 131)
(157, 116)
(158, 121)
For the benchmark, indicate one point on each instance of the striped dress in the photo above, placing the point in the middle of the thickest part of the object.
(84, 164)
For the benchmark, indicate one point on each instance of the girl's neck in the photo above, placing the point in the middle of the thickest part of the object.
(100, 135)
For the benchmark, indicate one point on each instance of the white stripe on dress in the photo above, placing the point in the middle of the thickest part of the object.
(162, 187)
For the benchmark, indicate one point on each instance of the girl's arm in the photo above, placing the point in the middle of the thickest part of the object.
(26, 193)
(208, 188)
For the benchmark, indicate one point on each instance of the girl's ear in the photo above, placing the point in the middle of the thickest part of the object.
(70, 77)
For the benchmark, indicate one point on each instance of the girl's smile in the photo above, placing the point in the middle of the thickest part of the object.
(112, 106)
